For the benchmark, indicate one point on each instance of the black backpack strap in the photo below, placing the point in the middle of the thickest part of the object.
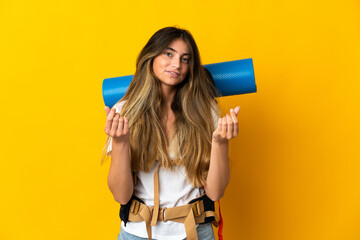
(125, 209)
(209, 205)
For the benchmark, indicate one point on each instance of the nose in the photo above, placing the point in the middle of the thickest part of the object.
(176, 62)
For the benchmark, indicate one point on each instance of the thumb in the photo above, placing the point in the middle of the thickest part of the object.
(237, 109)
(107, 110)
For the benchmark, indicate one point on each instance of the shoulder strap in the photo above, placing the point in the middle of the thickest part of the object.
(156, 197)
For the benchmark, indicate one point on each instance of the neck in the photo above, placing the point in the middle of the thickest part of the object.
(168, 96)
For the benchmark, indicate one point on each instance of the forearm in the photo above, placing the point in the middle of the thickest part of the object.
(120, 180)
(219, 172)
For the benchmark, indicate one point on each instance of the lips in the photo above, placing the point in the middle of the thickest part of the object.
(172, 73)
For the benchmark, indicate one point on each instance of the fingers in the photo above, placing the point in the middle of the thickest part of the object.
(126, 125)
(237, 109)
(116, 126)
(119, 128)
(109, 121)
(230, 127)
(233, 114)
(107, 110)
(123, 127)
(224, 127)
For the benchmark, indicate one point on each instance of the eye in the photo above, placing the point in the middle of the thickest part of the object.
(185, 60)
(169, 54)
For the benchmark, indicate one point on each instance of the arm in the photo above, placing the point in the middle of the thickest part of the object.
(120, 179)
(219, 173)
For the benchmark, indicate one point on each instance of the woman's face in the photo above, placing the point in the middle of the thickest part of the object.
(172, 65)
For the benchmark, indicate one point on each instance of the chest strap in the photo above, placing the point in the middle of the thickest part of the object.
(197, 211)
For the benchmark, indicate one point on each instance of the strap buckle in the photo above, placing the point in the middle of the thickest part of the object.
(196, 208)
(162, 214)
(135, 206)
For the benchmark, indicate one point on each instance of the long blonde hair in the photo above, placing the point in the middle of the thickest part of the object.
(193, 105)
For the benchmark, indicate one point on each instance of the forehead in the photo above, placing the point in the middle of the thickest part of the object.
(179, 46)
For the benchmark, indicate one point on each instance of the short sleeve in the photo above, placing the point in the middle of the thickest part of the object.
(118, 106)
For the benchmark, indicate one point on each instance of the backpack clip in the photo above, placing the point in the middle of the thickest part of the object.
(135, 206)
(196, 208)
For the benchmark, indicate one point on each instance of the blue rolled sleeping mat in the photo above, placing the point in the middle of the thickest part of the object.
(231, 78)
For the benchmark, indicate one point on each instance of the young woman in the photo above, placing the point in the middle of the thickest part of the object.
(168, 145)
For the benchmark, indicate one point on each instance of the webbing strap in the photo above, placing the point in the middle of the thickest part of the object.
(156, 197)
(146, 215)
(190, 226)
(178, 213)
(189, 214)
(213, 214)
(182, 214)
(140, 212)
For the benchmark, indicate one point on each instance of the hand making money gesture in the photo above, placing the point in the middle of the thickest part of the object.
(228, 127)
(116, 126)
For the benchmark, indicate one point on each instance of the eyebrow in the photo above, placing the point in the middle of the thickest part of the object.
(176, 51)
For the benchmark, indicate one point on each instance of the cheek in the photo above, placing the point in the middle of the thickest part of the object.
(186, 70)
(156, 66)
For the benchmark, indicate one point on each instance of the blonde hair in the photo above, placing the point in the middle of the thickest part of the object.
(193, 105)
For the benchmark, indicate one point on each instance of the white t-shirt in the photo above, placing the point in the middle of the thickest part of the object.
(174, 190)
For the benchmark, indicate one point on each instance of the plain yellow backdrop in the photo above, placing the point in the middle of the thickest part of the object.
(295, 165)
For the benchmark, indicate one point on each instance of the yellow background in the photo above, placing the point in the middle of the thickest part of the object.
(295, 165)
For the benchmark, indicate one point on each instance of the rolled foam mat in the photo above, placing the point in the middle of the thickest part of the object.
(231, 78)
